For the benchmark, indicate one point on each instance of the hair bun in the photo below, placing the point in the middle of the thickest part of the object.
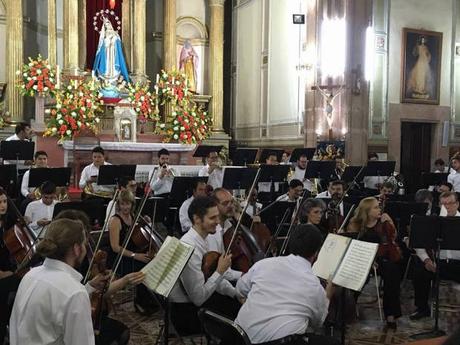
(47, 247)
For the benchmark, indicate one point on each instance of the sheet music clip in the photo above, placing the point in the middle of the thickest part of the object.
(110, 174)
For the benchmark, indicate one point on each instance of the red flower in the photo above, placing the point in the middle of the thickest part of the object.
(62, 129)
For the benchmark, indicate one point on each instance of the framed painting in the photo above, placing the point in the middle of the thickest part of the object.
(421, 66)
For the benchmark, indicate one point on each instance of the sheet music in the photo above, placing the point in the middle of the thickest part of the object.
(163, 271)
(354, 268)
(330, 255)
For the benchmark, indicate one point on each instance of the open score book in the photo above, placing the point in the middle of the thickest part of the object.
(346, 261)
(164, 270)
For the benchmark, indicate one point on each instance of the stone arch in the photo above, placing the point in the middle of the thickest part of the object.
(191, 28)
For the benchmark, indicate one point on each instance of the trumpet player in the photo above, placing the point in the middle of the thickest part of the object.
(40, 212)
(40, 161)
(213, 169)
(163, 176)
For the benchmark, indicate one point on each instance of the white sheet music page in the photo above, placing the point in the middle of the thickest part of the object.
(163, 271)
(354, 268)
(330, 256)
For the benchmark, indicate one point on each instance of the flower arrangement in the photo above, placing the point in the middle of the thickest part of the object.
(143, 102)
(77, 108)
(37, 78)
(187, 123)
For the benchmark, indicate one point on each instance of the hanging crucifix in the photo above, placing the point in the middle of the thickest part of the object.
(327, 91)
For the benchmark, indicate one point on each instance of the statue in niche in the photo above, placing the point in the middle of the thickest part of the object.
(420, 83)
(188, 64)
(109, 63)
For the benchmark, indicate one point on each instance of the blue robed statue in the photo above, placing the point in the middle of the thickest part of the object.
(109, 63)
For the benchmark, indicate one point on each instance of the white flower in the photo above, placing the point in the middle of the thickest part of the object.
(83, 108)
(69, 87)
(79, 123)
(19, 73)
(54, 129)
(176, 136)
(182, 128)
(34, 87)
(68, 132)
(34, 78)
(187, 120)
(174, 113)
(48, 66)
(29, 78)
(58, 106)
(30, 64)
(58, 116)
(142, 98)
(138, 109)
(60, 122)
(162, 125)
(47, 111)
(39, 71)
(45, 88)
(23, 86)
(97, 120)
(176, 128)
(74, 114)
(176, 122)
(80, 94)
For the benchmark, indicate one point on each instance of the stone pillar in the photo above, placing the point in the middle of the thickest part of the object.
(169, 35)
(126, 31)
(52, 32)
(216, 63)
(82, 34)
(71, 43)
(14, 57)
(139, 39)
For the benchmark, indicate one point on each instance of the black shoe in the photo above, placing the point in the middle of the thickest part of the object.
(419, 314)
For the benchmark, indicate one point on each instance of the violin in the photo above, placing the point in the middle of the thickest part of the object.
(334, 219)
(260, 230)
(99, 304)
(388, 248)
(146, 238)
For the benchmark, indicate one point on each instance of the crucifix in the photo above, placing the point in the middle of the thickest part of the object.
(327, 91)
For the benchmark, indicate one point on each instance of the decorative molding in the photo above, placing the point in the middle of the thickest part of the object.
(216, 2)
(195, 22)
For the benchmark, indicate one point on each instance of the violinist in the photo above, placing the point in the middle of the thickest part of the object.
(425, 268)
(199, 189)
(370, 225)
(284, 298)
(132, 260)
(193, 291)
(163, 176)
(311, 212)
(124, 183)
(294, 193)
(213, 170)
(40, 212)
(254, 207)
(335, 191)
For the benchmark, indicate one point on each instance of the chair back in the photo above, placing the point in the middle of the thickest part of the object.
(220, 329)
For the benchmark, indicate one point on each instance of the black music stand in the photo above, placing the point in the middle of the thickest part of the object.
(380, 168)
(94, 210)
(238, 178)
(433, 179)
(17, 150)
(320, 169)
(269, 152)
(295, 155)
(353, 173)
(432, 232)
(204, 150)
(8, 175)
(271, 218)
(161, 211)
(402, 211)
(110, 174)
(244, 156)
(273, 174)
(59, 176)
(182, 189)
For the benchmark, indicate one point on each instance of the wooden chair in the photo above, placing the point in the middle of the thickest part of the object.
(86, 139)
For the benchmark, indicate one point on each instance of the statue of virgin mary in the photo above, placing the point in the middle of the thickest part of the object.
(109, 62)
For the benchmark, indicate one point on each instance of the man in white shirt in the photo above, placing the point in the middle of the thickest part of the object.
(40, 212)
(199, 190)
(23, 131)
(162, 180)
(440, 166)
(294, 193)
(193, 291)
(299, 172)
(213, 170)
(283, 296)
(90, 173)
(51, 305)
(454, 176)
(449, 268)
(40, 161)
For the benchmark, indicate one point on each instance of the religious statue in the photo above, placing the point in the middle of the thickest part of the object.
(329, 98)
(188, 64)
(109, 63)
(420, 82)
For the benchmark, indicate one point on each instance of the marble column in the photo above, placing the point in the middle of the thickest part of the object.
(216, 63)
(14, 57)
(126, 7)
(169, 35)
(52, 32)
(82, 34)
(71, 41)
(139, 39)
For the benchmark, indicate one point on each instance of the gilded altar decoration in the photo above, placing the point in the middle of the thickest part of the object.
(37, 78)
(77, 108)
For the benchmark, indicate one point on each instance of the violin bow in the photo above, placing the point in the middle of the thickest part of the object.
(277, 232)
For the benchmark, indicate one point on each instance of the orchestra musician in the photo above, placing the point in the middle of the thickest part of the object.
(213, 170)
(335, 192)
(254, 207)
(40, 161)
(294, 193)
(454, 176)
(299, 172)
(373, 182)
(22, 132)
(40, 212)
(193, 291)
(132, 260)
(386, 188)
(124, 183)
(426, 197)
(311, 212)
(284, 298)
(425, 268)
(370, 225)
(199, 190)
(162, 180)
(89, 175)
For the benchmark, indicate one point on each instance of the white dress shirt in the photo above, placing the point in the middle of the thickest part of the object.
(87, 173)
(284, 297)
(185, 222)
(160, 185)
(445, 254)
(13, 137)
(37, 210)
(20, 162)
(51, 308)
(454, 178)
(215, 179)
(285, 197)
(25, 189)
(216, 244)
(192, 287)
(299, 174)
(250, 209)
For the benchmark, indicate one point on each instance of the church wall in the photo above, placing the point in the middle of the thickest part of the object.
(2, 42)
(154, 45)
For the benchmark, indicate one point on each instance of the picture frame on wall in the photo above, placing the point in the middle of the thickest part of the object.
(421, 66)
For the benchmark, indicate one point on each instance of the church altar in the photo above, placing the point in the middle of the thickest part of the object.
(132, 152)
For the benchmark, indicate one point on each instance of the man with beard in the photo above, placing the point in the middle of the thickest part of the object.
(51, 305)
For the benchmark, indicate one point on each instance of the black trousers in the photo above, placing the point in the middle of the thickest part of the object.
(422, 280)
(309, 338)
(112, 332)
(8, 285)
(184, 316)
(391, 275)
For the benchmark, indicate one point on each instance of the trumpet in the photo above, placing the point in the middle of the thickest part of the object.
(169, 171)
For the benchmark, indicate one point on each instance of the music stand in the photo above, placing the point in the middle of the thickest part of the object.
(8, 176)
(244, 156)
(295, 155)
(182, 189)
(380, 168)
(353, 173)
(204, 150)
(271, 218)
(161, 211)
(238, 178)
(320, 169)
(433, 179)
(95, 210)
(59, 176)
(269, 152)
(402, 211)
(110, 174)
(17, 150)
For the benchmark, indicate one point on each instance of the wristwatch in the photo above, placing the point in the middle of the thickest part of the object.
(133, 254)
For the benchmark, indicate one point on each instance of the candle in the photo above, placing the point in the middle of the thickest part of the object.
(156, 89)
(58, 77)
(173, 80)
(158, 78)
(93, 74)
